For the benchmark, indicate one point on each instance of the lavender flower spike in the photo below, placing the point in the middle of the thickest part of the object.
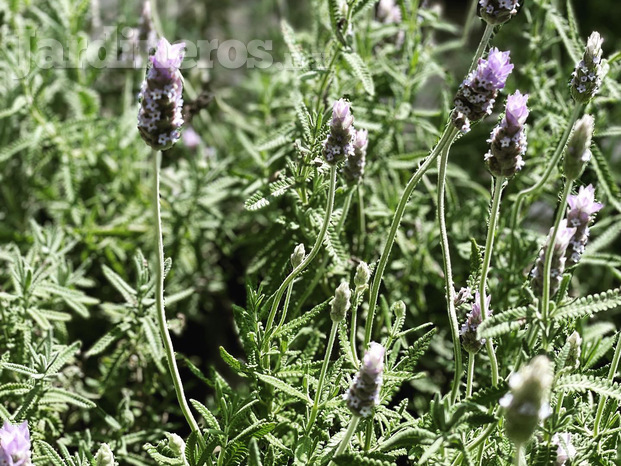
(339, 143)
(582, 207)
(160, 117)
(477, 93)
(587, 77)
(564, 236)
(354, 165)
(496, 12)
(508, 139)
(364, 392)
(15, 444)
(468, 331)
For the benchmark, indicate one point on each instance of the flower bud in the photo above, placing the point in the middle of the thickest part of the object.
(463, 296)
(526, 405)
(468, 331)
(363, 394)
(160, 117)
(496, 12)
(15, 444)
(575, 350)
(399, 309)
(563, 238)
(565, 450)
(339, 143)
(580, 214)
(340, 304)
(363, 275)
(104, 456)
(508, 139)
(477, 93)
(587, 77)
(579, 148)
(176, 444)
(298, 255)
(354, 164)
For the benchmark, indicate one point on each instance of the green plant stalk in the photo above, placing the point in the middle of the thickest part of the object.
(159, 306)
(353, 327)
(448, 135)
(519, 459)
(487, 258)
(348, 435)
(448, 271)
(470, 377)
(614, 366)
(346, 206)
(470, 19)
(538, 186)
(487, 35)
(322, 376)
(307, 260)
(285, 307)
(362, 223)
(545, 298)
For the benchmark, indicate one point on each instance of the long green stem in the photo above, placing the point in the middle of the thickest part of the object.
(322, 376)
(348, 435)
(307, 260)
(470, 376)
(487, 35)
(448, 271)
(614, 366)
(449, 134)
(487, 258)
(545, 298)
(519, 459)
(353, 329)
(285, 307)
(346, 205)
(539, 185)
(159, 305)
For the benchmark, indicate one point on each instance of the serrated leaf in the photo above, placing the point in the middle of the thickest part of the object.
(583, 383)
(59, 395)
(284, 387)
(504, 322)
(128, 293)
(589, 305)
(361, 71)
(209, 418)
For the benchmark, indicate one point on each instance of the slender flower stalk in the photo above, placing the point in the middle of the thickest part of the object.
(349, 433)
(612, 371)
(159, 123)
(470, 374)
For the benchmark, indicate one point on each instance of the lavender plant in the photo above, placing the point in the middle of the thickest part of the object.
(285, 290)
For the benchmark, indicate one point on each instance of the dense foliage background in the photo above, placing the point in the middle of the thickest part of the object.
(76, 223)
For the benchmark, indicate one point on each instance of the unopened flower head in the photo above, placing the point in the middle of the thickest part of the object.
(575, 350)
(341, 302)
(176, 444)
(508, 139)
(526, 405)
(160, 117)
(579, 147)
(559, 250)
(582, 208)
(587, 77)
(15, 444)
(353, 170)
(363, 395)
(298, 255)
(468, 331)
(339, 143)
(565, 450)
(104, 456)
(498, 11)
(477, 93)
(363, 274)
(463, 296)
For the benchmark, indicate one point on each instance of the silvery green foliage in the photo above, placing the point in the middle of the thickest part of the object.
(80, 354)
